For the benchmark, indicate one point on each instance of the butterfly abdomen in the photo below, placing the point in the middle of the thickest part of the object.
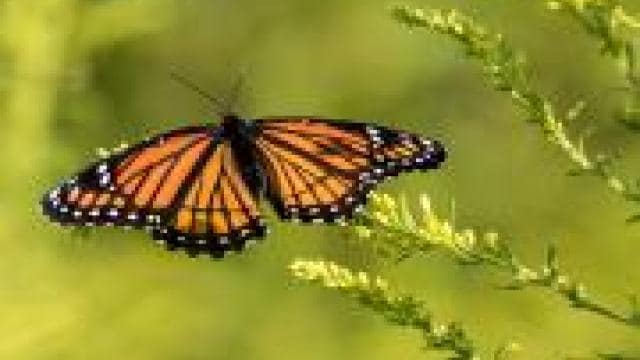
(240, 134)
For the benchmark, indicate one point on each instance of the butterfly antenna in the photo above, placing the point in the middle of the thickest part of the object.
(236, 89)
(219, 104)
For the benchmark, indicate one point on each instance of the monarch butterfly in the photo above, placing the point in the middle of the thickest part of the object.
(197, 188)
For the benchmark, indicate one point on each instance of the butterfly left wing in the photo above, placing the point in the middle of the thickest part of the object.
(184, 185)
(322, 169)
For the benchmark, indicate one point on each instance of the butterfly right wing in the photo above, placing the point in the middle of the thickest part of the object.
(320, 169)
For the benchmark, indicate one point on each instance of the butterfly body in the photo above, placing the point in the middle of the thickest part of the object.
(198, 188)
(241, 134)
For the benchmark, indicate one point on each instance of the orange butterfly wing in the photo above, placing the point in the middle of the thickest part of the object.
(183, 185)
(218, 206)
(323, 169)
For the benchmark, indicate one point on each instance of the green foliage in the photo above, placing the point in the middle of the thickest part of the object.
(374, 293)
(508, 72)
(397, 234)
(610, 23)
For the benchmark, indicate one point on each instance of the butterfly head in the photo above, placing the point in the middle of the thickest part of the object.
(235, 127)
(231, 124)
(229, 120)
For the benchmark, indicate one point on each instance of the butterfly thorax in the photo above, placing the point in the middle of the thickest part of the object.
(240, 134)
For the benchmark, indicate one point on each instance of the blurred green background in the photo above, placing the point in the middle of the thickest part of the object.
(77, 75)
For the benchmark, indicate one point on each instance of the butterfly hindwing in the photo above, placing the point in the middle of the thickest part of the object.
(183, 185)
(219, 206)
(323, 169)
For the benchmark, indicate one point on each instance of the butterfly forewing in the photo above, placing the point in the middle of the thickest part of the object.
(117, 190)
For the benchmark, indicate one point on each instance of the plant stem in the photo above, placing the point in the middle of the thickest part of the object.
(508, 72)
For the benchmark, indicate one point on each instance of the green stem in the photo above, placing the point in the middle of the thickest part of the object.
(509, 72)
